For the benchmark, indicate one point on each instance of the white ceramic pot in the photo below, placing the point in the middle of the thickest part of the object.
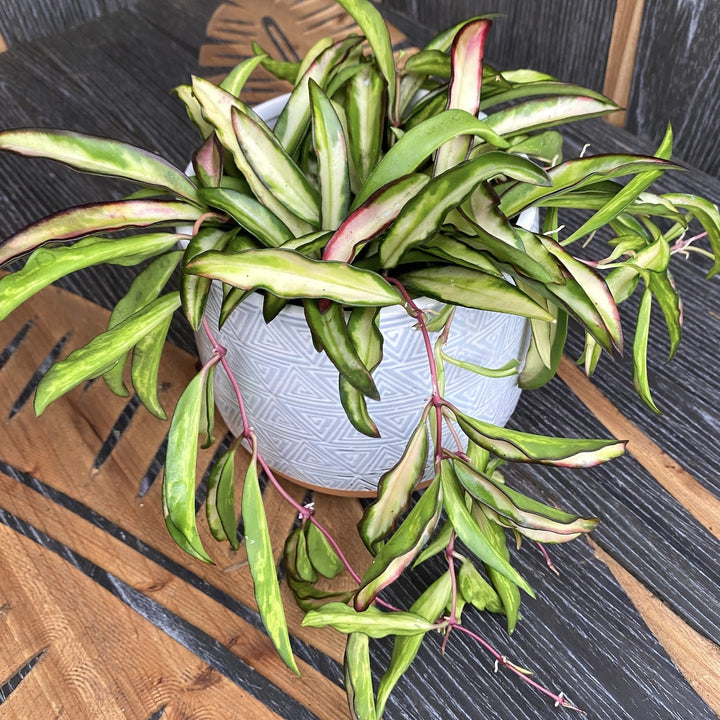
(291, 391)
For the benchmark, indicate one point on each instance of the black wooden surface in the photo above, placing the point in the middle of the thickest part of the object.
(677, 78)
(565, 38)
(582, 635)
(23, 20)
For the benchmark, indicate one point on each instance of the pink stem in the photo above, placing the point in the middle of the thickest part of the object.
(247, 433)
(559, 699)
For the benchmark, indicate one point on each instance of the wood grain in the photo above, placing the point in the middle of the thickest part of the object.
(565, 38)
(101, 659)
(677, 79)
(34, 19)
(696, 656)
(696, 498)
(621, 55)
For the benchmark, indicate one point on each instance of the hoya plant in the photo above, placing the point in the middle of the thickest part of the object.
(386, 178)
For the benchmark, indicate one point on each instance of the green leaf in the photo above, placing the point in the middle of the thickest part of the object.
(476, 590)
(422, 217)
(146, 367)
(330, 147)
(640, 347)
(283, 70)
(250, 214)
(506, 590)
(100, 156)
(367, 339)
(472, 288)
(46, 265)
(541, 365)
(194, 290)
(624, 197)
(145, 288)
(429, 606)
(455, 251)
(403, 547)
(276, 169)
(290, 275)
(331, 330)
(262, 565)
(464, 90)
(294, 119)
(193, 110)
(207, 413)
(88, 361)
(220, 502)
(303, 565)
(235, 80)
(395, 488)
(99, 217)
(429, 62)
(546, 112)
(372, 24)
(541, 85)
(365, 110)
(321, 553)
(470, 532)
(179, 477)
(358, 678)
(372, 217)
(516, 446)
(663, 289)
(372, 622)
(418, 144)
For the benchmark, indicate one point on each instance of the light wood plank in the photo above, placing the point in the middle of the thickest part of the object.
(102, 659)
(621, 55)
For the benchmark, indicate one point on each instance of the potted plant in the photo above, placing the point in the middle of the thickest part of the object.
(385, 182)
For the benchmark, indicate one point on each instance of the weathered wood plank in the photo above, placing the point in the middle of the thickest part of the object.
(677, 78)
(33, 19)
(567, 39)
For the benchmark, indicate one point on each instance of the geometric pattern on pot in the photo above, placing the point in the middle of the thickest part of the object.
(292, 399)
(291, 391)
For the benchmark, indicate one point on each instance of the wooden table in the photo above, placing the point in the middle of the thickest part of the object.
(101, 616)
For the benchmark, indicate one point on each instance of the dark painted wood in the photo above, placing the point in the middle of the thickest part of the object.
(562, 37)
(32, 19)
(677, 78)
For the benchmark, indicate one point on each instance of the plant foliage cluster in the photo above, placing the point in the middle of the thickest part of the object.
(385, 178)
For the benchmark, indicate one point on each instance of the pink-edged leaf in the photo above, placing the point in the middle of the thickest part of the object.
(98, 217)
(546, 112)
(99, 156)
(465, 85)
(595, 288)
(207, 162)
(371, 218)
(516, 446)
